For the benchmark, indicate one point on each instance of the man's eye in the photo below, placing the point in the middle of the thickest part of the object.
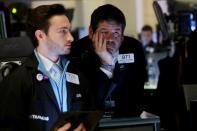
(64, 30)
(116, 34)
(104, 32)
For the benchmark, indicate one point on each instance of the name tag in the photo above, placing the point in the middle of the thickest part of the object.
(110, 104)
(126, 58)
(72, 78)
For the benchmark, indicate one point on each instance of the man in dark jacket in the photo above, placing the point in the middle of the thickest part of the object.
(33, 96)
(114, 63)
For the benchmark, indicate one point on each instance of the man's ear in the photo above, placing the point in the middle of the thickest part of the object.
(40, 35)
(90, 32)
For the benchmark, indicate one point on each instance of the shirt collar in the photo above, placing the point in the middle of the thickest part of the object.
(46, 62)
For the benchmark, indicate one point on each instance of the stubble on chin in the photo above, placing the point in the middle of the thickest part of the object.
(67, 52)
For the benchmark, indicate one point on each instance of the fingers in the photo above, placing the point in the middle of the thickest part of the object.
(64, 127)
(95, 40)
(99, 42)
(81, 127)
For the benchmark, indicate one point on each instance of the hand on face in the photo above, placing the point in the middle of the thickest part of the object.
(99, 43)
(67, 126)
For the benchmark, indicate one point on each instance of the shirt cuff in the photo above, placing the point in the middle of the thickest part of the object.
(108, 73)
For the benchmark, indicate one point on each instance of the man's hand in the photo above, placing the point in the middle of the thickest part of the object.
(145, 115)
(67, 126)
(99, 44)
(81, 127)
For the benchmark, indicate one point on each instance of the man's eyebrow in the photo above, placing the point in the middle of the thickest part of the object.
(64, 28)
(116, 28)
(68, 28)
(104, 28)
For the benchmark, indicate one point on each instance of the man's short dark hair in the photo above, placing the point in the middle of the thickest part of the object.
(38, 18)
(147, 28)
(108, 13)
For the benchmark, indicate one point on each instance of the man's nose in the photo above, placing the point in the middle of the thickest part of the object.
(110, 36)
(70, 38)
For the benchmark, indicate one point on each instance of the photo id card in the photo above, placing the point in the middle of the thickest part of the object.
(72, 78)
(126, 58)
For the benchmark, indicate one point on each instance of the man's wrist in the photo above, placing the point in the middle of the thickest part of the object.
(105, 58)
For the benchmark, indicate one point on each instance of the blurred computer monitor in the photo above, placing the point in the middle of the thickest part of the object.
(130, 124)
(186, 22)
(15, 48)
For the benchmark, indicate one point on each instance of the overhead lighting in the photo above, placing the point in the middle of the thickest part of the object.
(14, 10)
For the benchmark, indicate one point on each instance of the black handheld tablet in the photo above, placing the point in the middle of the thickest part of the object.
(90, 119)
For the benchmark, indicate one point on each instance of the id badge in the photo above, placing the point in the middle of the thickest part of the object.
(126, 58)
(73, 78)
(110, 104)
